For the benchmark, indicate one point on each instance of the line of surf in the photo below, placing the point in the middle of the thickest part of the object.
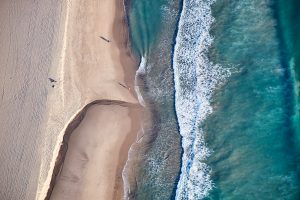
(196, 78)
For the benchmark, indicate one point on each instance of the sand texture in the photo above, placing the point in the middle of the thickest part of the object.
(97, 151)
(96, 63)
(29, 32)
(82, 45)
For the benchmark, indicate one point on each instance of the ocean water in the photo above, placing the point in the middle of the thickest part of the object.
(289, 28)
(251, 130)
(196, 78)
(145, 22)
(153, 27)
(222, 80)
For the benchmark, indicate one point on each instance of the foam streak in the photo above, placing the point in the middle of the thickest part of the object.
(195, 78)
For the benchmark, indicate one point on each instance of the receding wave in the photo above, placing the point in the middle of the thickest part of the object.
(141, 71)
(196, 78)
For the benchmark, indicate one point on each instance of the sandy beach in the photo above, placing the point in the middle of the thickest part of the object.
(95, 64)
(96, 153)
(29, 32)
(57, 60)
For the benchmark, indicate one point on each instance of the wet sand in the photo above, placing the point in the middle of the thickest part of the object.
(97, 152)
(83, 46)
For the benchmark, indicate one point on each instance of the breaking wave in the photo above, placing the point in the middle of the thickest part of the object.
(196, 78)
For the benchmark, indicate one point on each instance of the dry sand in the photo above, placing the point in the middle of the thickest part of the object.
(29, 32)
(42, 39)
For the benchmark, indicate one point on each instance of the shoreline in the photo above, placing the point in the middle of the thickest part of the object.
(74, 81)
(75, 122)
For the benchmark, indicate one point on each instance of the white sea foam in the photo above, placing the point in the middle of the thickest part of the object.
(141, 71)
(195, 78)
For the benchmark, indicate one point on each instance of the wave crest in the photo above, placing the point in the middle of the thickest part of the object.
(196, 78)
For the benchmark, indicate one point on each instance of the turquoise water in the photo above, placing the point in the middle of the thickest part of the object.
(159, 154)
(145, 23)
(251, 131)
(289, 28)
(222, 82)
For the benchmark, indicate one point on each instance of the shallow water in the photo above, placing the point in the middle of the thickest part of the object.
(160, 153)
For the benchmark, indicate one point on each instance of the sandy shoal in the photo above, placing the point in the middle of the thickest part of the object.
(97, 152)
(90, 69)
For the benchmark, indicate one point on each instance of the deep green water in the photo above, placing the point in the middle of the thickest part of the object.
(289, 27)
(253, 131)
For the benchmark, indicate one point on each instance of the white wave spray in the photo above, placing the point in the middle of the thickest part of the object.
(196, 78)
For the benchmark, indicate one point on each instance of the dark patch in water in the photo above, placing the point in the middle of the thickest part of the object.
(173, 196)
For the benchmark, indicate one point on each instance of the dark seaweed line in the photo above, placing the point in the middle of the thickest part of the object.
(290, 100)
(173, 196)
